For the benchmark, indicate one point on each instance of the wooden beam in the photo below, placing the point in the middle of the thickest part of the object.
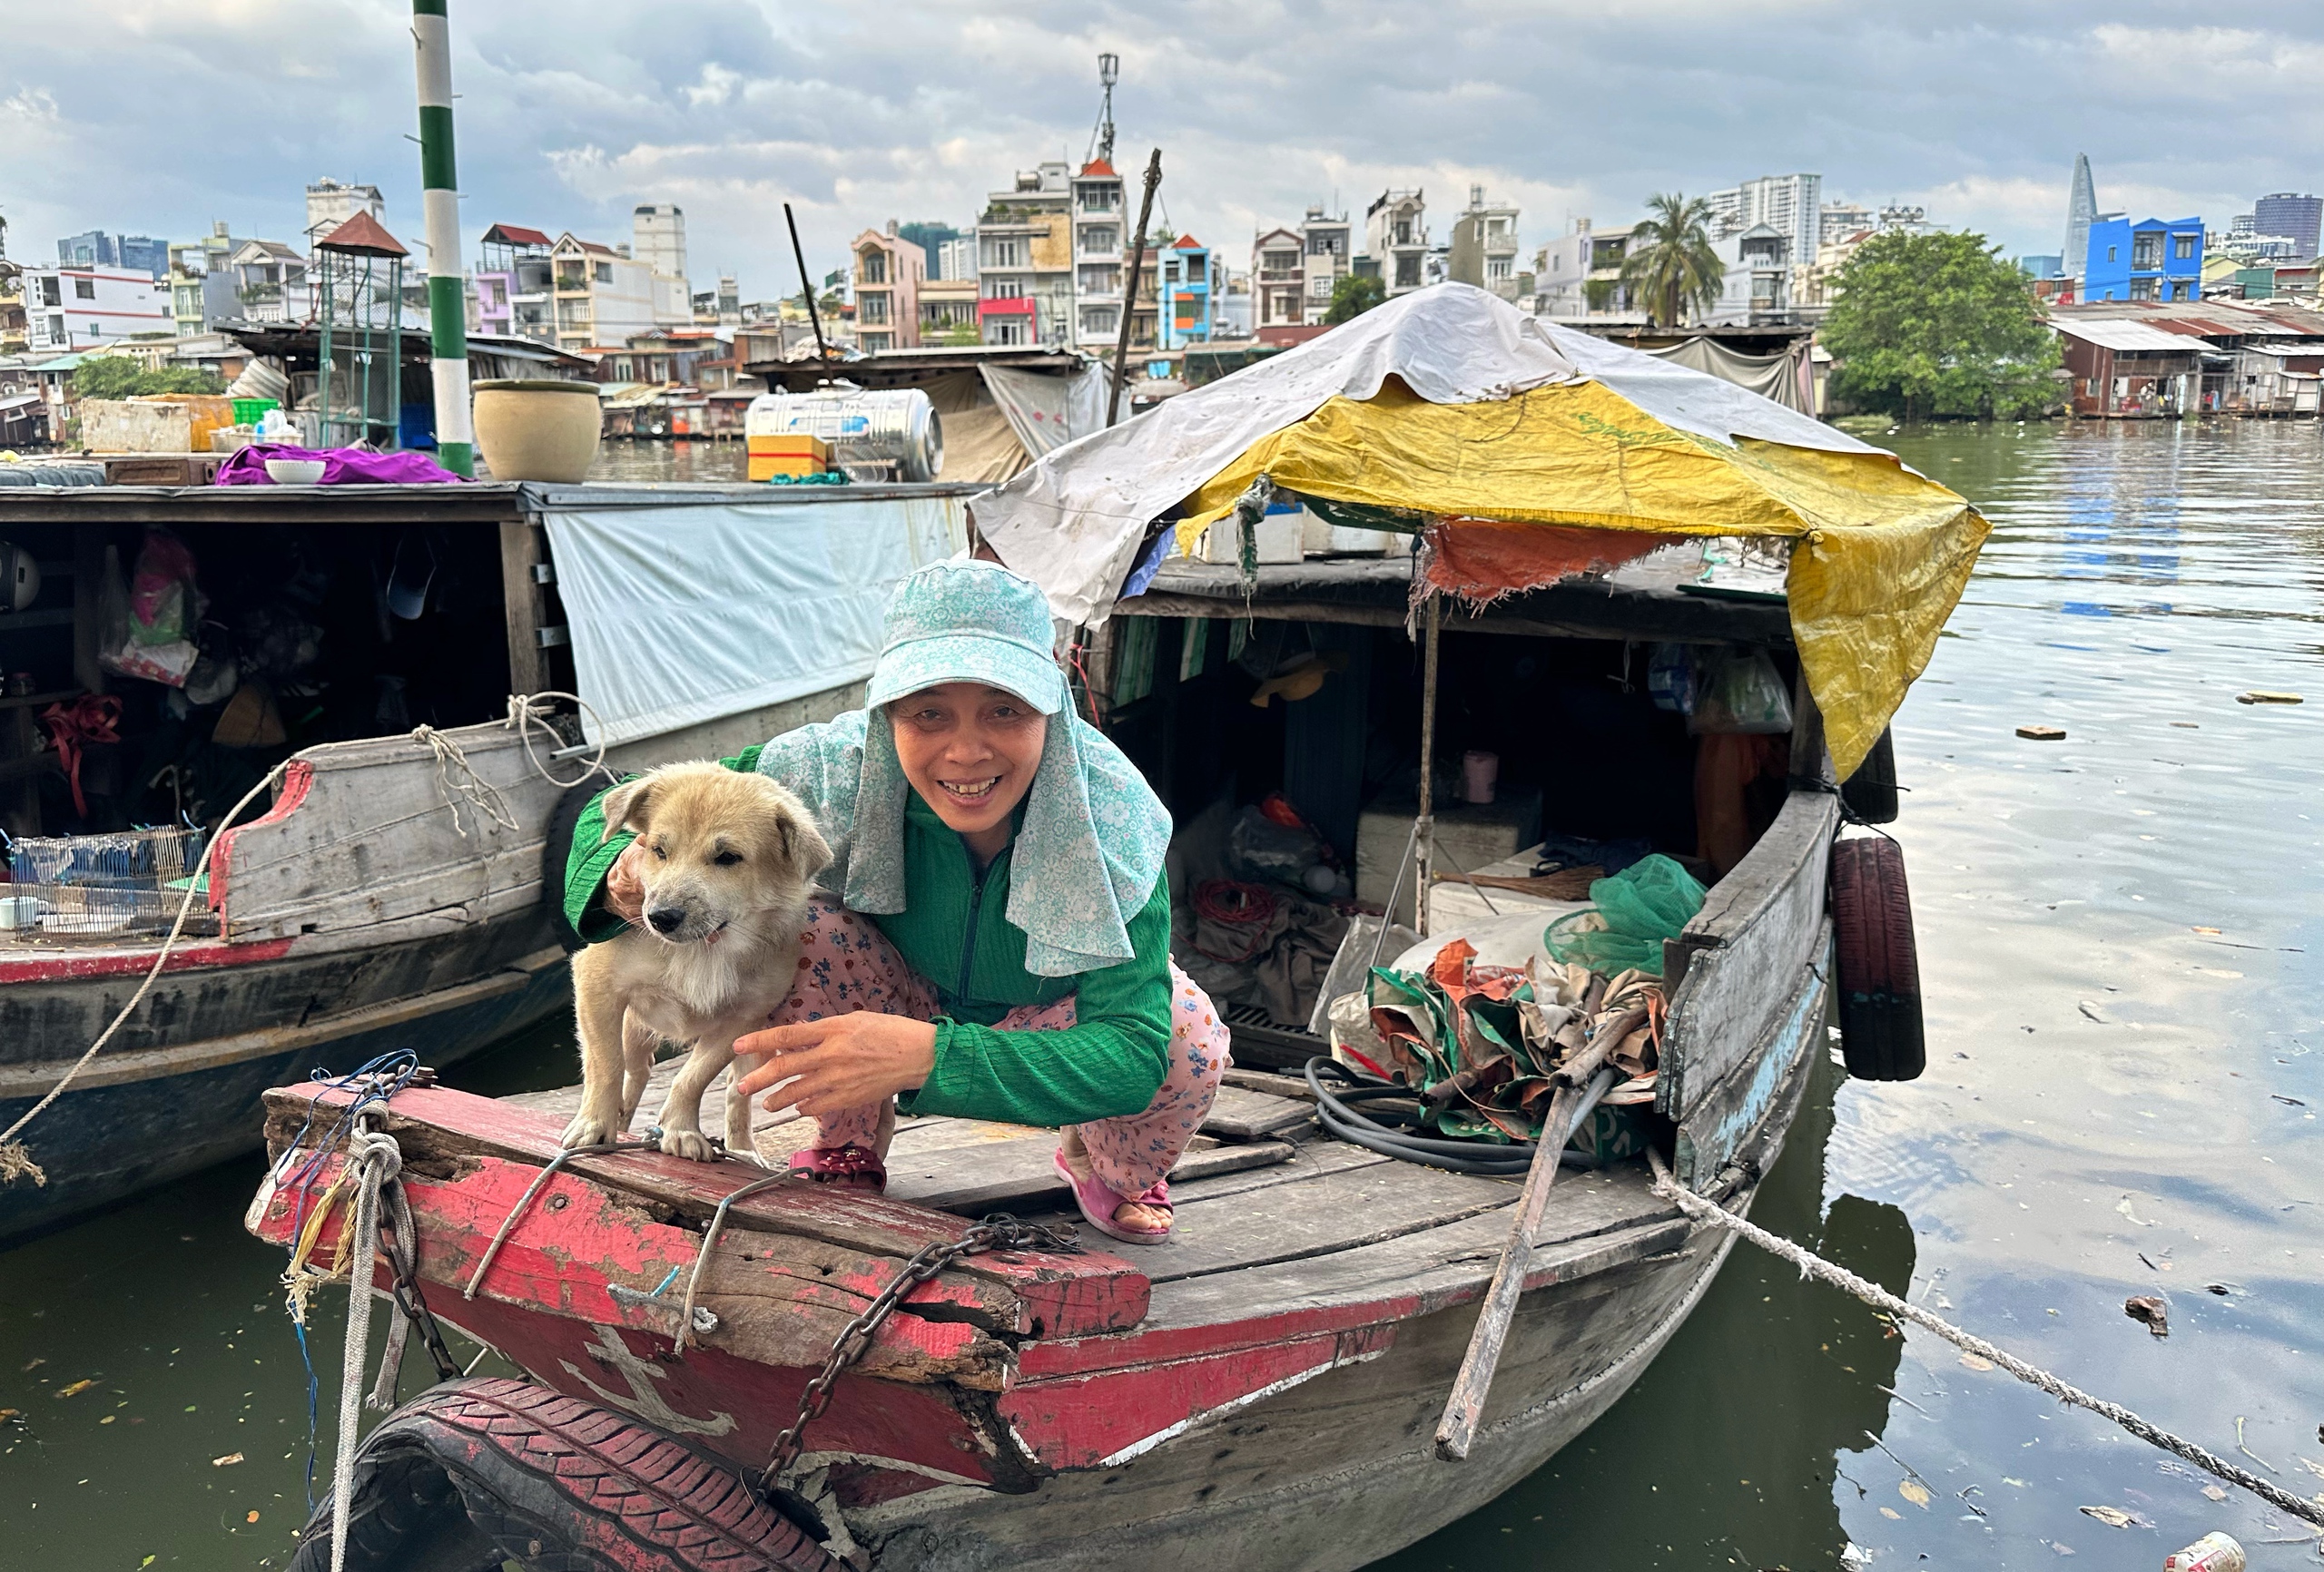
(523, 545)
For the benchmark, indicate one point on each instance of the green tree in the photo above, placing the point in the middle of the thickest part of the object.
(1668, 267)
(1939, 326)
(119, 377)
(1352, 297)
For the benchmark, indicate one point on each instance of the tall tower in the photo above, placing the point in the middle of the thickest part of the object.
(2080, 208)
(1101, 144)
(658, 237)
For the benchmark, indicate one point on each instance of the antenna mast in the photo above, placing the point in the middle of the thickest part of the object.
(1110, 71)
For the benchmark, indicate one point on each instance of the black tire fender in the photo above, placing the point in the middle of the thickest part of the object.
(553, 1484)
(1879, 981)
(556, 848)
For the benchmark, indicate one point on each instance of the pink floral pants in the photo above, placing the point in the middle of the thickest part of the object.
(846, 964)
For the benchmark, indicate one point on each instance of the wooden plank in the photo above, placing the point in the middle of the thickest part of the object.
(1070, 1294)
(88, 607)
(1745, 950)
(1724, 1116)
(524, 543)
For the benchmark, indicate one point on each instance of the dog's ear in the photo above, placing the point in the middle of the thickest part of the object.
(625, 806)
(803, 843)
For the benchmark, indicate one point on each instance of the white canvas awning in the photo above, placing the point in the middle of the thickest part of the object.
(691, 612)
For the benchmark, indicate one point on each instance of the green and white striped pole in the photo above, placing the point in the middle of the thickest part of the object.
(439, 200)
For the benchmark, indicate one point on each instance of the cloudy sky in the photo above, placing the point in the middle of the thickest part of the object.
(153, 117)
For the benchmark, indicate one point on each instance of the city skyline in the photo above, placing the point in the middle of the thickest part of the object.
(729, 109)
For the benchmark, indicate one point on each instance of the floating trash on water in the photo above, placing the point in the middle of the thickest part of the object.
(74, 1390)
(2214, 1552)
(2115, 1517)
(2262, 696)
(2148, 1310)
(2042, 734)
(227, 1461)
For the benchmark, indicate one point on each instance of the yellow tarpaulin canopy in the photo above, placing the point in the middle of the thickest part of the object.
(1881, 555)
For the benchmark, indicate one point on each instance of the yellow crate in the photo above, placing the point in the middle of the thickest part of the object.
(792, 445)
(766, 467)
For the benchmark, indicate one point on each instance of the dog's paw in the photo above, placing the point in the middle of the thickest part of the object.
(589, 1130)
(688, 1143)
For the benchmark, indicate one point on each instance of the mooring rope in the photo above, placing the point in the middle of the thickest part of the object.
(15, 1157)
(1810, 1265)
(529, 712)
(376, 1159)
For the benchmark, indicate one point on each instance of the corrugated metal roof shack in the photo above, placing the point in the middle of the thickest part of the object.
(2126, 370)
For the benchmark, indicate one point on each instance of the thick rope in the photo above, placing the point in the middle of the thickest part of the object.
(530, 712)
(376, 1159)
(483, 798)
(15, 1159)
(1813, 1265)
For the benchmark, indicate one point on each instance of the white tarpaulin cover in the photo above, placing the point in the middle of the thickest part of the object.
(1074, 521)
(1046, 411)
(691, 612)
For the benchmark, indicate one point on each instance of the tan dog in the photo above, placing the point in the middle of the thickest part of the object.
(731, 856)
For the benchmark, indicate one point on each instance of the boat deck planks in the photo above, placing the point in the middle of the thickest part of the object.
(973, 1166)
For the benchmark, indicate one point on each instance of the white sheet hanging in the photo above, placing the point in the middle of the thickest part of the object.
(1049, 411)
(688, 612)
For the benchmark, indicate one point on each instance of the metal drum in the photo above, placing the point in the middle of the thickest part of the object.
(889, 433)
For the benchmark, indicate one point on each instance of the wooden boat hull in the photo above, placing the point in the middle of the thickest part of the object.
(173, 1099)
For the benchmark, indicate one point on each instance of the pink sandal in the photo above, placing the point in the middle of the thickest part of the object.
(856, 1167)
(1099, 1205)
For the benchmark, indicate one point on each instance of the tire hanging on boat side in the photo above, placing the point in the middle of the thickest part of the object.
(1879, 983)
(474, 1472)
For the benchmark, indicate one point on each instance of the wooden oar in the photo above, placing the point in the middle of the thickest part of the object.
(1458, 1429)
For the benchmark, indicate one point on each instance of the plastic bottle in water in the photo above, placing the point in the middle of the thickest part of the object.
(2214, 1552)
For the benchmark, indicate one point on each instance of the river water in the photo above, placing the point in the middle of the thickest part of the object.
(2120, 938)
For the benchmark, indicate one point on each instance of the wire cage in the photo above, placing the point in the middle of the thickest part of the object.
(33, 912)
(359, 311)
(125, 859)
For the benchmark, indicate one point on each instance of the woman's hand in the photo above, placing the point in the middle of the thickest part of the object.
(840, 1062)
(624, 891)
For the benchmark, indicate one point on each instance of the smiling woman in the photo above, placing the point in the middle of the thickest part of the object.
(991, 939)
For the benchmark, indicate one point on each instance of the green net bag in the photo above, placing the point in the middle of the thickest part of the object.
(1632, 913)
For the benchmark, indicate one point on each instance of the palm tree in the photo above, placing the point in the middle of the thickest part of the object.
(1669, 265)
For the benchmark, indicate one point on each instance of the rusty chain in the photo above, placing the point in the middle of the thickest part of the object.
(998, 1231)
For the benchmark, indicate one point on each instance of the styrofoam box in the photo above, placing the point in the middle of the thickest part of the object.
(1322, 537)
(1476, 835)
(1278, 539)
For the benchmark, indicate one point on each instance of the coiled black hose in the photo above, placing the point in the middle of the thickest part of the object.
(1349, 1124)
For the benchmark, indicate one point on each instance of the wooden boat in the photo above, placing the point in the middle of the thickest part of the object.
(382, 901)
(1260, 1391)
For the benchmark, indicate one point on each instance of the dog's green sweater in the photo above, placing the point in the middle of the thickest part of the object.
(955, 933)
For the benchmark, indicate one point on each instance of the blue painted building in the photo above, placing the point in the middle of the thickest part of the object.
(2152, 260)
(1185, 292)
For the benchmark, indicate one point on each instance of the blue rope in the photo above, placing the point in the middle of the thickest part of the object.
(395, 1071)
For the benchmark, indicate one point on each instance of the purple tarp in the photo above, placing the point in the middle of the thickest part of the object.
(341, 466)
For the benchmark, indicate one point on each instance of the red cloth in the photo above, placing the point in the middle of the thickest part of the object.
(91, 718)
(1480, 560)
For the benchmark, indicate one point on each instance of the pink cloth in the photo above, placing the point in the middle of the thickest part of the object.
(341, 466)
(846, 964)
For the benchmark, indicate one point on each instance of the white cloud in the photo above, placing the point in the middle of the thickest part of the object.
(573, 110)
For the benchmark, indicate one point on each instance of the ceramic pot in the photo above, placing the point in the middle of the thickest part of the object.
(536, 429)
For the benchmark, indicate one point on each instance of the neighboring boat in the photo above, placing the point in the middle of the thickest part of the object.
(391, 895)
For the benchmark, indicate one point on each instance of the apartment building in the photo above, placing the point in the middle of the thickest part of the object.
(201, 286)
(511, 284)
(271, 281)
(888, 271)
(1790, 204)
(601, 297)
(1395, 236)
(1025, 266)
(330, 203)
(657, 237)
(1295, 271)
(1484, 246)
(127, 253)
(1100, 255)
(70, 309)
(1189, 281)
